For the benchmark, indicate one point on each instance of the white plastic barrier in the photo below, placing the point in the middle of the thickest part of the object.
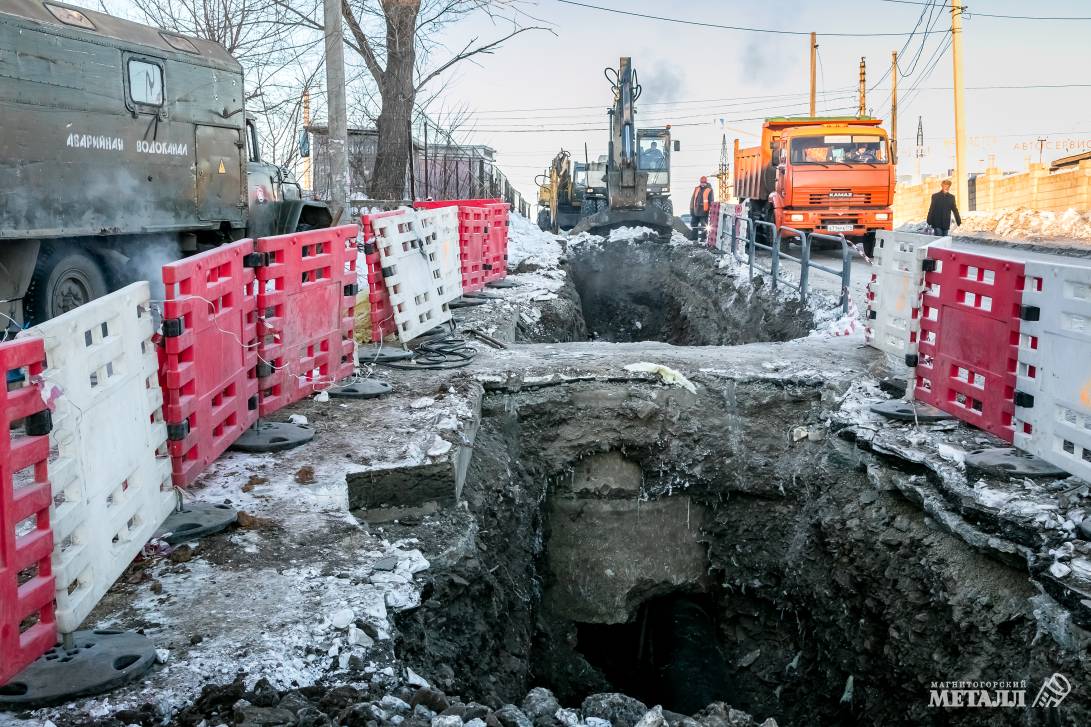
(1053, 378)
(407, 263)
(112, 475)
(440, 229)
(894, 291)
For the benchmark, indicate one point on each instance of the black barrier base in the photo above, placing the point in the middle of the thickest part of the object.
(95, 662)
(466, 303)
(376, 354)
(502, 283)
(196, 520)
(365, 389)
(909, 411)
(1011, 462)
(273, 437)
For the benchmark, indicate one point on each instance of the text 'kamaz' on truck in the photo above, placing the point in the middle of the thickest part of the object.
(123, 147)
(826, 175)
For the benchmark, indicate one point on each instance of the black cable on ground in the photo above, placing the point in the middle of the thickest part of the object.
(443, 351)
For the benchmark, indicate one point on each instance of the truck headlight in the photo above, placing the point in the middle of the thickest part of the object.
(882, 216)
(797, 217)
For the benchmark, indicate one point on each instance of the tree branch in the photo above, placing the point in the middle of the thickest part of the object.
(363, 46)
(466, 52)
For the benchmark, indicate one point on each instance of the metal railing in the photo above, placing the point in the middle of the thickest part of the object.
(730, 226)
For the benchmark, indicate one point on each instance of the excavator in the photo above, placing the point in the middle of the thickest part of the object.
(637, 166)
(569, 192)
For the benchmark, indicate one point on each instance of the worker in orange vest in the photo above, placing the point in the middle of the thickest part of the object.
(699, 205)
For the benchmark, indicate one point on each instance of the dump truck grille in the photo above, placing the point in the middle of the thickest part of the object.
(838, 196)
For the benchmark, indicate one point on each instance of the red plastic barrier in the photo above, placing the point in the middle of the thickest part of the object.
(27, 625)
(713, 223)
(306, 302)
(473, 230)
(496, 246)
(433, 204)
(382, 312)
(208, 356)
(969, 339)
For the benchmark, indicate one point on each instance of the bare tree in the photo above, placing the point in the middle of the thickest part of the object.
(398, 62)
(279, 58)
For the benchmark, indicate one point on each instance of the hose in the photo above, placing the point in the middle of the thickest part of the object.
(437, 353)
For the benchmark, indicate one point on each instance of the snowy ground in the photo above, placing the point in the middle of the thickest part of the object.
(304, 591)
(1021, 223)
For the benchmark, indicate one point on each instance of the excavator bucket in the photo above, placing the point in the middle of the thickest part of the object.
(653, 217)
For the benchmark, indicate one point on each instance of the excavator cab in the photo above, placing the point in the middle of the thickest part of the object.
(637, 168)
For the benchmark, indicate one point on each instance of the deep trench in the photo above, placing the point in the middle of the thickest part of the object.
(679, 548)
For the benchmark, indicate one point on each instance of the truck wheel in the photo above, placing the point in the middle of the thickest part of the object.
(65, 277)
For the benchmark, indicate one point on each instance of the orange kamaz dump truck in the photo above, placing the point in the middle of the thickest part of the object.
(819, 174)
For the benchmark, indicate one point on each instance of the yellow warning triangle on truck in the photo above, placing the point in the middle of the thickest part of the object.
(221, 170)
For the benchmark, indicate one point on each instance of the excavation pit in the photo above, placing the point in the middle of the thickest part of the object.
(652, 290)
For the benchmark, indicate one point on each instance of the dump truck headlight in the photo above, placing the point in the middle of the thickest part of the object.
(797, 218)
(882, 216)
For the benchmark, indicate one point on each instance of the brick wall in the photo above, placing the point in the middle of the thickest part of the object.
(1036, 189)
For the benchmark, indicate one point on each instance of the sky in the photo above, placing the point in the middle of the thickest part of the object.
(545, 90)
(693, 77)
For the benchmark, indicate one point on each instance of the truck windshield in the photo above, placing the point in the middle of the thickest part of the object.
(839, 149)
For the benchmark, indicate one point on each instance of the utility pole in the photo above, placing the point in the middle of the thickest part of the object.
(336, 111)
(894, 107)
(308, 181)
(722, 172)
(961, 180)
(863, 88)
(920, 148)
(814, 60)
(1041, 147)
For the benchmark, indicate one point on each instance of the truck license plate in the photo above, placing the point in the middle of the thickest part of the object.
(839, 228)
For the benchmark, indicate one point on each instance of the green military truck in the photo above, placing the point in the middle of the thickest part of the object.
(122, 147)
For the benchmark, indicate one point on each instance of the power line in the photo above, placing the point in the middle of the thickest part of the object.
(718, 26)
(975, 14)
(602, 127)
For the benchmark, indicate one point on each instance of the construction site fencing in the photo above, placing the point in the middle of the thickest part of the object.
(727, 238)
(968, 349)
(892, 322)
(381, 309)
(473, 228)
(713, 223)
(306, 300)
(111, 479)
(496, 242)
(409, 266)
(209, 355)
(27, 622)
(1053, 395)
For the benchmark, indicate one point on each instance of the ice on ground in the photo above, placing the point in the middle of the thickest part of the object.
(665, 373)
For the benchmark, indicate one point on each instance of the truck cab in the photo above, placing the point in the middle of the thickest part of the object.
(124, 148)
(826, 175)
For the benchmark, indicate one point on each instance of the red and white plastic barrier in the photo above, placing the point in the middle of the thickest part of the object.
(969, 341)
(208, 355)
(713, 224)
(894, 292)
(997, 337)
(306, 301)
(111, 480)
(416, 276)
(496, 242)
(382, 311)
(27, 623)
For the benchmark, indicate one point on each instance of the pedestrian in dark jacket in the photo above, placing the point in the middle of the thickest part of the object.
(699, 205)
(940, 211)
